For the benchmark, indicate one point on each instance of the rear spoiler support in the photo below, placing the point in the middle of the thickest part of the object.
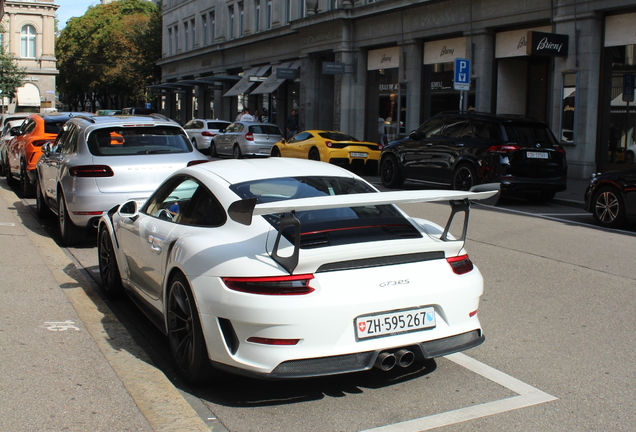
(288, 263)
(457, 207)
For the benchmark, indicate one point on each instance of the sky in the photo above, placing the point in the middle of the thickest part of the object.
(72, 8)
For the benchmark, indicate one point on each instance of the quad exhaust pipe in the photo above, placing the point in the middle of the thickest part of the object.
(387, 361)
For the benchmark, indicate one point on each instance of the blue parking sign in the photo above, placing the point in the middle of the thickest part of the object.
(462, 74)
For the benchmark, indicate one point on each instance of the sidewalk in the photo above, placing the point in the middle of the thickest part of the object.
(574, 195)
(66, 362)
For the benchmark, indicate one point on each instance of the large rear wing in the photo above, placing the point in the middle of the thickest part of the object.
(243, 211)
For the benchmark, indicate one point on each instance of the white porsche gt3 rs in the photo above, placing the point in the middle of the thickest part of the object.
(287, 268)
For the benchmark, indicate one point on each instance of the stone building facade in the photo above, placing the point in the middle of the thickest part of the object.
(345, 64)
(30, 38)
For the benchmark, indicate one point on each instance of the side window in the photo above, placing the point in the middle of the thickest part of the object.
(457, 127)
(189, 125)
(198, 125)
(300, 137)
(28, 126)
(185, 201)
(432, 128)
(485, 130)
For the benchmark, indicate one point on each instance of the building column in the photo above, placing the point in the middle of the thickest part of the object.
(307, 117)
(482, 56)
(411, 73)
(349, 94)
(586, 62)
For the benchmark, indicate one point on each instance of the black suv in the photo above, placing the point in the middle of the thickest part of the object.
(461, 150)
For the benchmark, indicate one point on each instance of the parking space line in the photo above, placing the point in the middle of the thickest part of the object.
(527, 396)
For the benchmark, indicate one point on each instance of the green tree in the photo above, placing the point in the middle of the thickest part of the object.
(108, 55)
(11, 76)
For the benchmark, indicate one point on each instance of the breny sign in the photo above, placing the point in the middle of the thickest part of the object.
(547, 44)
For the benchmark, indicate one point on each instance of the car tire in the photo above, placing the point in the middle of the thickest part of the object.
(26, 188)
(185, 334)
(236, 152)
(11, 181)
(108, 268)
(70, 234)
(314, 154)
(608, 207)
(275, 152)
(390, 172)
(464, 177)
(212, 150)
(42, 209)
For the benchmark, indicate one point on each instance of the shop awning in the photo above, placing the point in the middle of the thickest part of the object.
(245, 84)
(272, 83)
(619, 102)
(28, 95)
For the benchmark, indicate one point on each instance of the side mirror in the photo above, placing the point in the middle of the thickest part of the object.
(129, 209)
(47, 148)
(413, 135)
(283, 141)
(222, 131)
(14, 131)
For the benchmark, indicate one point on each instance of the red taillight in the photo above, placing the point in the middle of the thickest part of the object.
(559, 149)
(268, 341)
(328, 143)
(91, 171)
(39, 143)
(249, 136)
(198, 161)
(206, 133)
(276, 285)
(503, 148)
(460, 264)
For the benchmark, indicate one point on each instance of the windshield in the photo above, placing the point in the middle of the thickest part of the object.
(142, 140)
(330, 226)
(529, 135)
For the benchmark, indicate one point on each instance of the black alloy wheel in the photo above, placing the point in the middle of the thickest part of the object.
(108, 269)
(275, 152)
(41, 208)
(70, 233)
(184, 332)
(464, 177)
(390, 172)
(236, 152)
(608, 207)
(314, 154)
(26, 188)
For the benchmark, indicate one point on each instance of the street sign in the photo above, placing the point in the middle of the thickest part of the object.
(628, 88)
(286, 73)
(333, 68)
(462, 74)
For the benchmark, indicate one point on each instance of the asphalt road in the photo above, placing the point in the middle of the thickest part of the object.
(558, 314)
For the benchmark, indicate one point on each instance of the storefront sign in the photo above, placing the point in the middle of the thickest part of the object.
(444, 51)
(286, 73)
(619, 30)
(333, 68)
(514, 43)
(386, 58)
(628, 88)
(547, 44)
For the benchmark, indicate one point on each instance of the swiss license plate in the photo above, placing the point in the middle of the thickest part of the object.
(354, 154)
(389, 323)
(537, 155)
(264, 151)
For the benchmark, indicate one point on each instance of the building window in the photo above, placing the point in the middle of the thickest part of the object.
(204, 30)
(231, 23)
(257, 16)
(212, 26)
(333, 4)
(186, 32)
(269, 14)
(568, 108)
(176, 39)
(301, 8)
(193, 33)
(27, 41)
(170, 41)
(241, 15)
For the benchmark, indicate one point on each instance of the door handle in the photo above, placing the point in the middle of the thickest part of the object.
(156, 249)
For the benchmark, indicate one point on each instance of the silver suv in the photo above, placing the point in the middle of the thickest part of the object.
(201, 132)
(246, 139)
(98, 162)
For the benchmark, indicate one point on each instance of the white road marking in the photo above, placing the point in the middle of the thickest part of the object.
(61, 325)
(528, 396)
(7, 224)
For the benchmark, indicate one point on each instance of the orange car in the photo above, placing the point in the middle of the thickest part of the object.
(24, 150)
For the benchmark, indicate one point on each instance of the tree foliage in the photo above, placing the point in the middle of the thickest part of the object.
(108, 55)
(11, 75)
